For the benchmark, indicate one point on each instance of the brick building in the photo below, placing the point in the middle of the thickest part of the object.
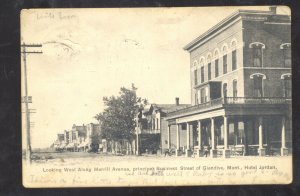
(240, 88)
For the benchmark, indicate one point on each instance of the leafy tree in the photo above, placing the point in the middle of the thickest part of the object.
(118, 118)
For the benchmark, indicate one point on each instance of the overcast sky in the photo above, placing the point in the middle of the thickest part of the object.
(91, 53)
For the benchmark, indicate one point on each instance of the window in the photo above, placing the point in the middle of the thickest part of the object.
(225, 90)
(286, 50)
(257, 53)
(209, 70)
(287, 86)
(216, 67)
(234, 59)
(195, 77)
(234, 86)
(203, 95)
(225, 64)
(202, 74)
(196, 99)
(198, 96)
(183, 126)
(224, 60)
(258, 86)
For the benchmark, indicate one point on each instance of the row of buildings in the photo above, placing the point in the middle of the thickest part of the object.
(78, 138)
(241, 92)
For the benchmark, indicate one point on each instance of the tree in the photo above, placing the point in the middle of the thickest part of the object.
(118, 118)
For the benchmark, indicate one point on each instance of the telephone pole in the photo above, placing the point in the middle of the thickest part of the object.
(27, 99)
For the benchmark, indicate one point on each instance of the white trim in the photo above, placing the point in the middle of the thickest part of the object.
(278, 23)
(257, 44)
(268, 68)
(208, 57)
(200, 59)
(285, 75)
(233, 40)
(222, 48)
(216, 50)
(288, 45)
(258, 74)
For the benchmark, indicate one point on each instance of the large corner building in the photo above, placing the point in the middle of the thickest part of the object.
(240, 72)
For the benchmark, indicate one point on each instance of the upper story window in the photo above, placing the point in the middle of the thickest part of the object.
(257, 53)
(287, 57)
(202, 74)
(224, 50)
(209, 67)
(287, 85)
(234, 56)
(234, 87)
(216, 55)
(225, 90)
(258, 84)
(195, 77)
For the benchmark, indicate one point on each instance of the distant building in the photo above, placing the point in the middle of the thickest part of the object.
(152, 126)
(79, 138)
(240, 88)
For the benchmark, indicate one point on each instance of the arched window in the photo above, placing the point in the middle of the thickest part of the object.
(224, 50)
(234, 56)
(195, 73)
(258, 84)
(257, 53)
(209, 67)
(286, 51)
(225, 90)
(287, 85)
(202, 69)
(234, 87)
(216, 56)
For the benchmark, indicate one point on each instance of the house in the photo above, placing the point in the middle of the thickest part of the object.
(240, 72)
(152, 126)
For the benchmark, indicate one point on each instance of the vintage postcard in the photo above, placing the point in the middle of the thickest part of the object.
(156, 96)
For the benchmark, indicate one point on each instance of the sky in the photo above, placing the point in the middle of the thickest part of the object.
(91, 53)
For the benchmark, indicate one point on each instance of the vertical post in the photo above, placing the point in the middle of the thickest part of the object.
(178, 140)
(188, 150)
(284, 150)
(261, 150)
(187, 136)
(213, 151)
(28, 147)
(226, 151)
(169, 137)
(225, 133)
(199, 135)
(213, 146)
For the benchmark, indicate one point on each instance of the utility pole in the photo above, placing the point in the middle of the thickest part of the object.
(26, 98)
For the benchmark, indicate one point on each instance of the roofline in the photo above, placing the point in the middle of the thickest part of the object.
(223, 22)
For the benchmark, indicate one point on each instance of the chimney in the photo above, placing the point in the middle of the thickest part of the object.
(272, 9)
(177, 101)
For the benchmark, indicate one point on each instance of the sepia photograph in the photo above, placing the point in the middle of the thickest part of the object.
(185, 96)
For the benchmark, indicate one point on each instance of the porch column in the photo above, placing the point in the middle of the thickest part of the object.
(284, 150)
(178, 140)
(199, 151)
(213, 151)
(188, 150)
(261, 149)
(226, 151)
(169, 137)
